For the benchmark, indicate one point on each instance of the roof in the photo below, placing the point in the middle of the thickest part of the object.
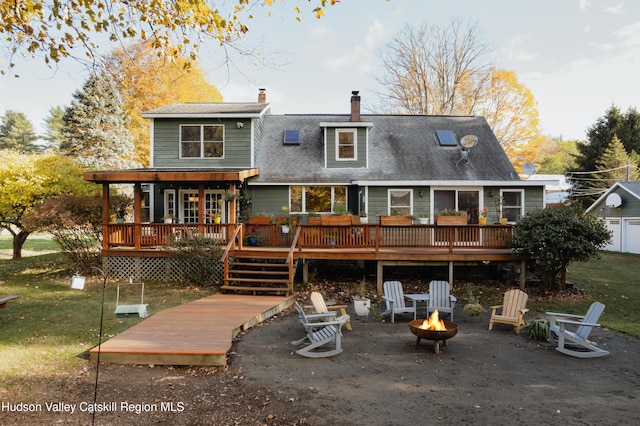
(632, 188)
(401, 148)
(208, 109)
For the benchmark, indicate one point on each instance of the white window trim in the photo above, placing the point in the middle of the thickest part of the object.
(457, 189)
(202, 126)
(304, 201)
(399, 189)
(521, 191)
(355, 144)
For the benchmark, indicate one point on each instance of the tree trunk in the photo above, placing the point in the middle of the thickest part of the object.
(18, 242)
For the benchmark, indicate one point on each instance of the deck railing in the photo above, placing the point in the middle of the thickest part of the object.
(376, 237)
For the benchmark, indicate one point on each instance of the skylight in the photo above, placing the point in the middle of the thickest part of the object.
(291, 137)
(446, 138)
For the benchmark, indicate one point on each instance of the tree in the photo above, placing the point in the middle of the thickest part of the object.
(16, 133)
(174, 28)
(147, 81)
(556, 236)
(28, 179)
(95, 132)
(557, 156)
(445, 70)
(55, 126)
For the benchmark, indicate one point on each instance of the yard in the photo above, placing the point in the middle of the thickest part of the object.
(479, 377)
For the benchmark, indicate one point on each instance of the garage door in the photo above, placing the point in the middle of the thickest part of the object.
(614, 225)
(632, 235)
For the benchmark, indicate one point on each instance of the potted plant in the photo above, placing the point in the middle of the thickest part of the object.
(473, 308)
(169, 218)
(361, 303)
(482, 215)
(285, 222)
(363, 217)
(423, 218)
(252, 236)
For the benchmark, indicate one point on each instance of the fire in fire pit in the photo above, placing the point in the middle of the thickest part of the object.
(434, 329)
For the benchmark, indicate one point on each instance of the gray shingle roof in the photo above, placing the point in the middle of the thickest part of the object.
(207, 109)
(401, 148)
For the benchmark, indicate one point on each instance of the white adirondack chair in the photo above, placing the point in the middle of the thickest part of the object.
(395, 300)
(511, 311)
(440, 298)
(321, 330)
(576, 343)
(321, 307)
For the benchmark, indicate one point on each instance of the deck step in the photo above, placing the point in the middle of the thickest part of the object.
(251, 272)
(254, 289)
(258, 274)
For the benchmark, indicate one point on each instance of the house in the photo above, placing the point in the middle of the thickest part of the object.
(619, 207)
(202, 154)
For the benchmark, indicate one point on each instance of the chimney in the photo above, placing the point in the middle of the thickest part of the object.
(355, 106)
(262, 96)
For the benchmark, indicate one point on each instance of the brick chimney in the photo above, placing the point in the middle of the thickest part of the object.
(262, 96)
(355, 106)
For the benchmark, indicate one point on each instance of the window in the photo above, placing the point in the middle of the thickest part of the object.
(202, 141)
(512, 205)
(346, 144)
(190, 203)
(400, 202)
(170, 203)
(145, 211)
(319, 199)
(446, 138)
(453, 199)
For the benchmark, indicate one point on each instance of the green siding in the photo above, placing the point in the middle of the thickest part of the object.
(269, 200)
(166, 144)
(630, 206)
(332, 163)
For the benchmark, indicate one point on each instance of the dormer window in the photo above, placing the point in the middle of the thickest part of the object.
(201, 141)
(346, 143)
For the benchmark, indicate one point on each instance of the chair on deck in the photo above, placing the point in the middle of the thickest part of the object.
(511, 311)
(321, 307)
(321, 330)
(440, 298)
(578, 341)
(394, 298)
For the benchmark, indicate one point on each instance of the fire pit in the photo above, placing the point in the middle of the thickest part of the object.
(433, 329)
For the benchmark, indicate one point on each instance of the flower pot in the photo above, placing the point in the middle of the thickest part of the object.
(362, 306)
(423, 220)
(482, 220)
(364, 220)
(216, 219)
(252, 241)
(285, 229)
(503, 221)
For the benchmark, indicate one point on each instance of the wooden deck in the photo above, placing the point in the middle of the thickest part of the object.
(196, 333)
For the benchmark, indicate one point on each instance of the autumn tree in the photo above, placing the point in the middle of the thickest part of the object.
(28, 179)
(95, 132)
(175, 29)
(17, 133)
(557, 156)
(436, 70)
(147, 81)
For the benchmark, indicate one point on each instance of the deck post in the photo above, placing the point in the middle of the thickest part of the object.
(379, 277)
(305, 271)
(523, 273)
(451, 272)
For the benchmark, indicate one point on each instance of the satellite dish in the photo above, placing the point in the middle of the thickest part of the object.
(528, 169)
(469, 141)
(613, 200)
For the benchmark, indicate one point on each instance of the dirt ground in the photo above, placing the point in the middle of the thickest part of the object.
(382, 378)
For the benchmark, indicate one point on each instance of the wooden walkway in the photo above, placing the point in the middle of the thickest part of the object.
(196, 333)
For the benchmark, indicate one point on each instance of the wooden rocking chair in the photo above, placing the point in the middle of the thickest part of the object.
(319, 332)
(576, 343)
(394, 298)
(512, 310)
(440, 298)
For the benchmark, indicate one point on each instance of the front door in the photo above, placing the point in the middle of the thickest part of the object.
(190, 203)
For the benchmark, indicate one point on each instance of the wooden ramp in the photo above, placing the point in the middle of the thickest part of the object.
(196, 333)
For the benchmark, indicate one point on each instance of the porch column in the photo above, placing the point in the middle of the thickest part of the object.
(105, 216)
(232, 204)
(201, 217)
(137, 215)
(451, 273)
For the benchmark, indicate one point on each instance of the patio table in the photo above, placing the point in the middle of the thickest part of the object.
(415, 298)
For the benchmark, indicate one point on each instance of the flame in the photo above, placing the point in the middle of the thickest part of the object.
(433, 323)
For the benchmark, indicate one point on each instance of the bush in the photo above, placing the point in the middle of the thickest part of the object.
(199, 258)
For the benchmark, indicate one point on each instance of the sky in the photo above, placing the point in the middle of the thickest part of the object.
(578, 57)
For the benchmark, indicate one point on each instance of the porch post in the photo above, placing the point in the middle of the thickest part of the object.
(137, 215)
(105, 216)
(201, 218)
(523, 274)
(451, 273)
(379, 274)
(232, 204)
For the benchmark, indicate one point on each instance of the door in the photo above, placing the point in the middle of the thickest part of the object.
(631, 229)
(614, 225)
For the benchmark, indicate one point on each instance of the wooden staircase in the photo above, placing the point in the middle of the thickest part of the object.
(253, 273)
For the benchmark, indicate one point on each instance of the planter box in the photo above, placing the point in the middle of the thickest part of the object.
(260, 220)
(451, 220)
(396, 220)
(336, 220)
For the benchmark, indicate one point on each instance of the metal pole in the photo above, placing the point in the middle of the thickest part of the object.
(95, 389)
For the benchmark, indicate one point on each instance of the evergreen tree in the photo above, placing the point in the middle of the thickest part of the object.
(55, 126)
(16, 133)
(614, 165)
(95, 132)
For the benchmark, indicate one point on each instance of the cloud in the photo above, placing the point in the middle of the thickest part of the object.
(615, 10)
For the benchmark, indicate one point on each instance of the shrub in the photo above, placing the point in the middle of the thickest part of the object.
(199, 258)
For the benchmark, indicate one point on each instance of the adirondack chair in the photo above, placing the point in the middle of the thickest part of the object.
(511, 311)
(321, 330)
(576, 343)
(440, 298)
(321, 307)
(394, 298)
